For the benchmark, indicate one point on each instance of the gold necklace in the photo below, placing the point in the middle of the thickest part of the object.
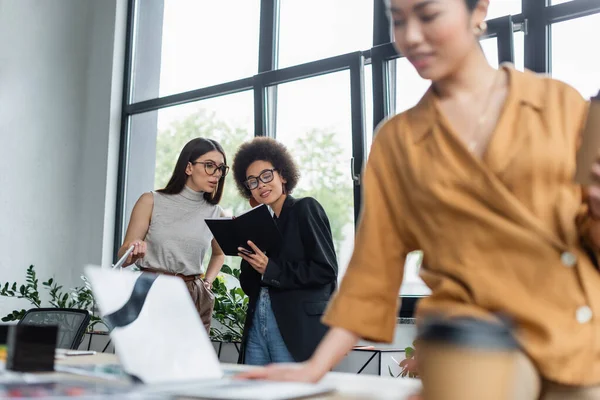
(473, 140)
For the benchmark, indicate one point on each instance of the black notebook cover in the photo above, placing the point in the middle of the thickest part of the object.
(256, 225)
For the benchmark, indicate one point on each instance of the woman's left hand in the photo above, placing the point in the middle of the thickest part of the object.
(258, 260)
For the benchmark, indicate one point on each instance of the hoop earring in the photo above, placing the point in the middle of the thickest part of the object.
(283, 188)
(481, 28)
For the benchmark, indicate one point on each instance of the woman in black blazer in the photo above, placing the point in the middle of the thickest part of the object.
(288, 288)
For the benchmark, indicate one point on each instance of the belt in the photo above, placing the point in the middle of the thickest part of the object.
(186, 278)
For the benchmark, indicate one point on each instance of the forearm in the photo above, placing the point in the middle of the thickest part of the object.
(334, 346)
(214, 267)
(122, 250)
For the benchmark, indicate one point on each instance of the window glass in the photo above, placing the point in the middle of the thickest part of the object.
(313, 29)
(574, 61)
(314, 122)
(500, 8)
(189, 44)
(157, 138)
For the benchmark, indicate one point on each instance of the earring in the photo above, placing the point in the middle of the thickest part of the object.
(481, 28)
(283, 188)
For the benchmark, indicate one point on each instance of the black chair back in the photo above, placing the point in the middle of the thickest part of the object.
(72, 323)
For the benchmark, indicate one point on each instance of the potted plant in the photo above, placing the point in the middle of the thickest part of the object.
(229, 314)
(79, 297)
(408, 365)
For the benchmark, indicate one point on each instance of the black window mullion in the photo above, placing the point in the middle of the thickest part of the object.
(384, 81)
(382, 28)
(205, 93)
(125, 124)
(260, 106)
(357, 107)
(265, 100)
(379, 87)
(267, 41)
(536, 38)
(505, 41)
(570, 10)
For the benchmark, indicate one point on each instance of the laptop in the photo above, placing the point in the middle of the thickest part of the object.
(161, 341)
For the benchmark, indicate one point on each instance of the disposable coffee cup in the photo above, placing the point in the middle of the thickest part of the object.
(467, 359)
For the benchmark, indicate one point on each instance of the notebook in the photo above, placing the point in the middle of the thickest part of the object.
(161, 341)
(256, 225)
(589, 149)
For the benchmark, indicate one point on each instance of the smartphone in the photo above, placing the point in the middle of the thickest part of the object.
(246, 251)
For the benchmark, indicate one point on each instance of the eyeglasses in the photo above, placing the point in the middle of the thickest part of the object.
(265, 176)
(211, 168)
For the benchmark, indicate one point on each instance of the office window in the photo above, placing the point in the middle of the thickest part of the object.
(314, 122)
(412, 284)
(189, 44)
(490, 48)
(368, 107)
(575, 59)
(314, 29)
(519, 47)
(500, 8)
(410, 87)
(157, 138)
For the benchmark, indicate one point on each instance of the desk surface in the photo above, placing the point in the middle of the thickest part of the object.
(349, 386)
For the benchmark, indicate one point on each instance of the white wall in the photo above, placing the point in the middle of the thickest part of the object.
(60, 93)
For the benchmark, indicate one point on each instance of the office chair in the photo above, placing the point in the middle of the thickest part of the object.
(72, 323)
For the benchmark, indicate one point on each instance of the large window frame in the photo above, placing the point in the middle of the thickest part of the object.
(534, 21)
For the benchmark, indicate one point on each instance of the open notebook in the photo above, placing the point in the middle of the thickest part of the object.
(256, 224)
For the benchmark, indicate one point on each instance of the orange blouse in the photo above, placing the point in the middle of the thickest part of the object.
(502, 233)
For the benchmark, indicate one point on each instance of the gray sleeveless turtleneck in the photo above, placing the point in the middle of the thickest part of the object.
(178, 238)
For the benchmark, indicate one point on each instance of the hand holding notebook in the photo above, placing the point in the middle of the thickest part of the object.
(256, 225)
(589, 148)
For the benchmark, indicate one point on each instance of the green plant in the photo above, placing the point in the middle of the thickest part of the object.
(408, 365)
(230, 308)
(78, 297)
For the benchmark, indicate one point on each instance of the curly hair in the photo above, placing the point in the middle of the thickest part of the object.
(269, 150)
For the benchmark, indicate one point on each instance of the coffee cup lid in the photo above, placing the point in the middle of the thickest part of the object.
(469, 332)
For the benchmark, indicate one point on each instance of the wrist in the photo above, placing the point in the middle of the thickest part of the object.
(317, 368)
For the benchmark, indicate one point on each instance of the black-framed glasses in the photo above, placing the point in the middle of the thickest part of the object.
(211, 168)
(265, 176)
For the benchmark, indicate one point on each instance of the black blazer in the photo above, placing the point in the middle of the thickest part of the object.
(301, 277)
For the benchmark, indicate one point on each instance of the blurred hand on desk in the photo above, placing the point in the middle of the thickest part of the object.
(296, 372)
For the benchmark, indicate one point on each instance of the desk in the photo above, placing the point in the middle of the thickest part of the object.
(349, 386)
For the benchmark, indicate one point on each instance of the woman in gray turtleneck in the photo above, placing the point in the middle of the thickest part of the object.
(167, 227)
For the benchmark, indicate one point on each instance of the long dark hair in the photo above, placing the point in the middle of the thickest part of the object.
(190, 153)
